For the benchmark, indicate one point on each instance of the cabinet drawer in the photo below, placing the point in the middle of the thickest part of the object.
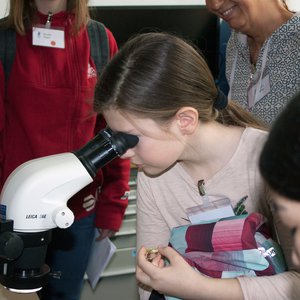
(122, 262)
(124, 241)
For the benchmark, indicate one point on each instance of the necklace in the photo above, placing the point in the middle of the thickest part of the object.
(252, 70)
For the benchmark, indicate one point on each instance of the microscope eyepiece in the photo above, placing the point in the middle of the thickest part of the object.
(123, 141)
(105, 146)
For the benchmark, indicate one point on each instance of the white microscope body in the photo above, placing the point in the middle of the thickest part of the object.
(34, 200)
(35, 195)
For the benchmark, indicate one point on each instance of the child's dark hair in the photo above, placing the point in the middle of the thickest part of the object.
(280, 157)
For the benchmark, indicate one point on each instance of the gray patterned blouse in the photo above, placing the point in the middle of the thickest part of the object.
(276, 76)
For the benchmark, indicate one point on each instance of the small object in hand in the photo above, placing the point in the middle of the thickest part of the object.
(151, 253)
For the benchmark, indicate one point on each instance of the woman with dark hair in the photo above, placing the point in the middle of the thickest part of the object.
(160, 88)
(280, 167)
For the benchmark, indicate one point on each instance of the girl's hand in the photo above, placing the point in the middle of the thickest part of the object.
(172, 279)
(179, 279)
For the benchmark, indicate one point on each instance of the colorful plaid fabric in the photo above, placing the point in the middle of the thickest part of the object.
(230, 247)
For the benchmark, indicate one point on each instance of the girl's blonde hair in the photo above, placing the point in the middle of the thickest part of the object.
(22, 14)
(156, 74)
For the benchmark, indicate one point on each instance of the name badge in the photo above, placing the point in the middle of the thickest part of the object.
(210, 211)
(48, 37)
(258, 90)
(264, 87)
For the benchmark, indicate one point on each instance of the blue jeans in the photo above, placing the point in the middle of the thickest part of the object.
(67, 257)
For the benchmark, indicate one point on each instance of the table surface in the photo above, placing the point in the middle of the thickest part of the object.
(7, 295)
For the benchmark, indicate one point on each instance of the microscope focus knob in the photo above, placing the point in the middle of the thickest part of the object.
(11, 245)
(63, 217)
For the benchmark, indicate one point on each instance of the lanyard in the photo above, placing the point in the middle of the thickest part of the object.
(259, 86)
(256, 95)
(49, 18)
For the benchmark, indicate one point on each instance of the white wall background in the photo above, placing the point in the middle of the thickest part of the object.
(144, 2)
(4, 4)
(293, 4)
(3, 8)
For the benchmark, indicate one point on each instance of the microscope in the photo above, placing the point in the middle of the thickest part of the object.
(34, 201)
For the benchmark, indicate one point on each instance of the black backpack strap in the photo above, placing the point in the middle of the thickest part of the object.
(99, 44)
(7, 49)
(98, 40)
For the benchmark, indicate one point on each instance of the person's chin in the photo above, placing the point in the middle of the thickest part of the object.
(155, 171)
(151, 171)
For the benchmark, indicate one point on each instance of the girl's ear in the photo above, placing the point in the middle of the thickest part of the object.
(187, 119)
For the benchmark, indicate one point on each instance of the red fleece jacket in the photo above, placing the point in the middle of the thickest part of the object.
(46, 107)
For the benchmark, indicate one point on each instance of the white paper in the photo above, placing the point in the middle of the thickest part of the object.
(215, 214)
(210, 211)
(101, 253)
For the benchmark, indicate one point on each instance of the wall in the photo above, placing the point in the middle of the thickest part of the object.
(4, 3)
(3, 8)
(144, 2)
(294, 4)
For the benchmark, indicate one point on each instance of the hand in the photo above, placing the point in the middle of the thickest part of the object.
(103, 233)
(173, 279)
(158, 261)
(179, 279)
(89, 202)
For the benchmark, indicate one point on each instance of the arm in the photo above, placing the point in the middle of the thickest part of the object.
(152, 230)
(113, 198)
(179, 279)
(281, 286)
